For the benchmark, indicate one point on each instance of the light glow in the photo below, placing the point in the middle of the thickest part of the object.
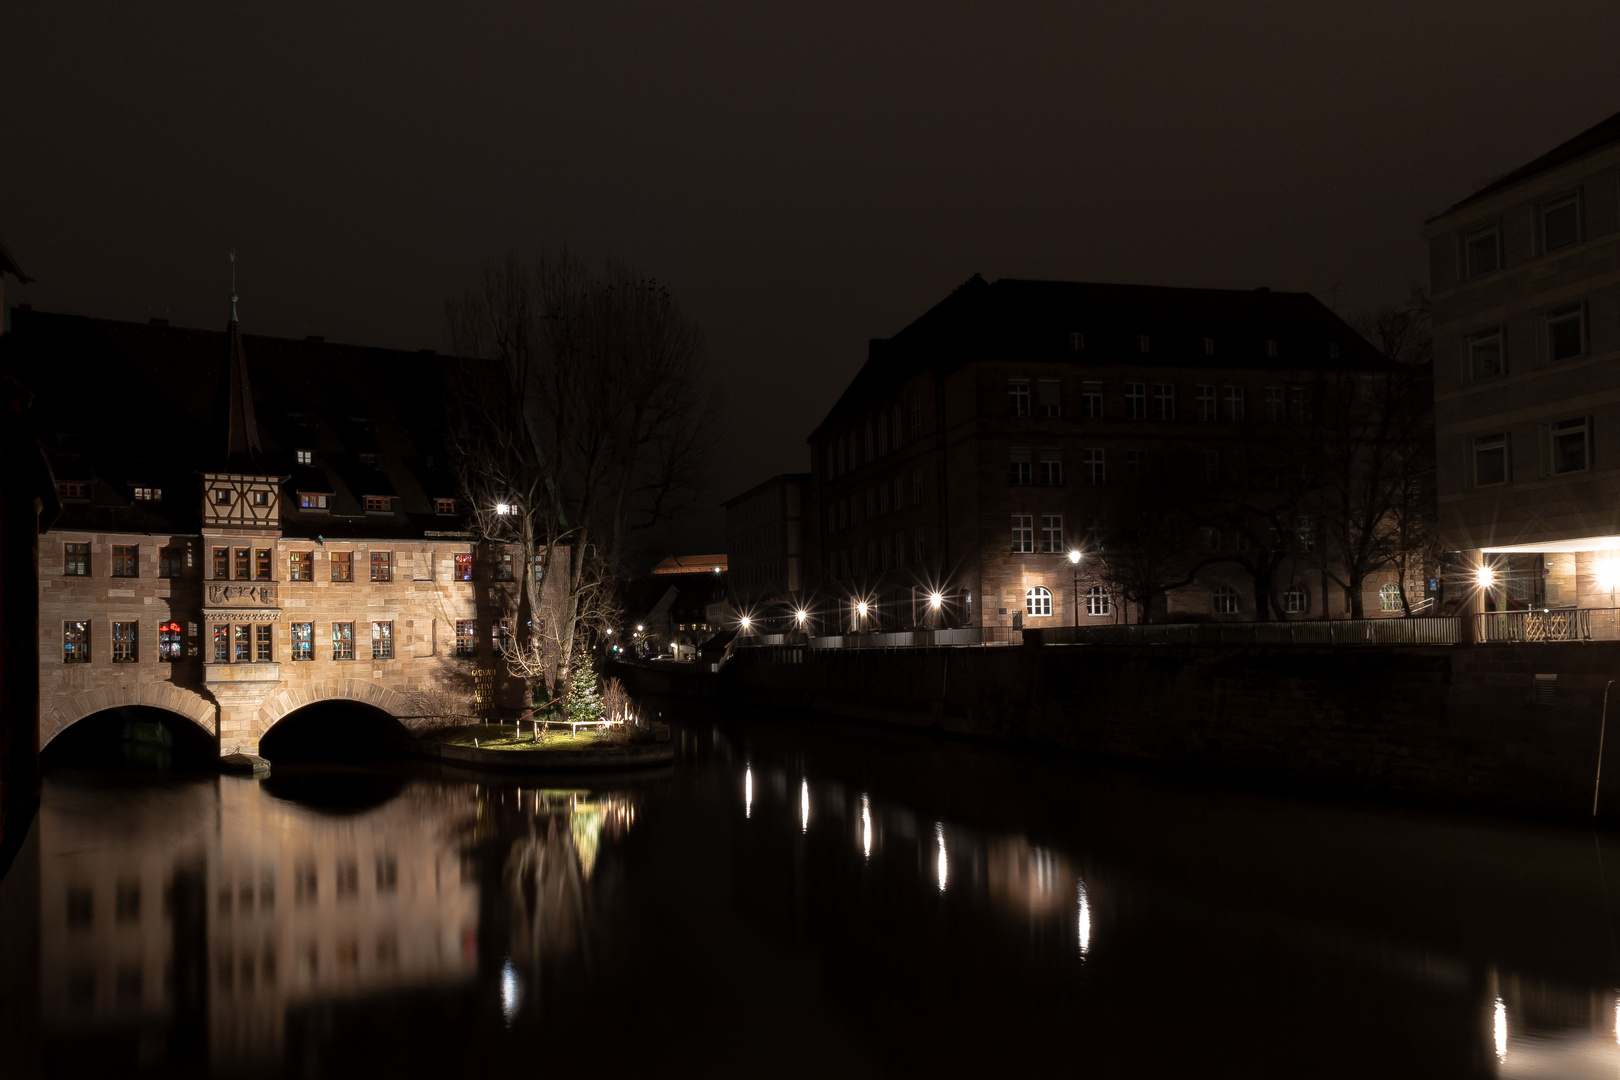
(1499, 1030)
(1484, 577)
(748, 792)
(1607, 576)
(866, 834)
(639, 628)
(1083, 927)
(804, 806)
(1074, 557)
(746, 622)
(942, 865)
(860, 608)
(511, 992)
(503, 509)
(801, 615)
(935, 599)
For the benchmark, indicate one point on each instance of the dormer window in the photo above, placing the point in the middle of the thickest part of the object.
(1271, 346)
(378, 504)
(148, 494)
(1077, 342)
(1209, 346)
(73, 489)
(310, 500)
(304, 457)
(444, 506)
(368, 459)
(222, 496)
(1142, 343)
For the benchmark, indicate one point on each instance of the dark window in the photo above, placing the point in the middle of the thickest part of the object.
(444, 506)
(1234, 403)
(503, 568)
(1490, 460)
(1052, 533)
(222, 563)
(1483, 252)
(303, 641)
(76, 642)
(244, 564)
(466, 637)
(301, 566)
(342, 565)
(261, 564)
(343, 641)
(464, 568)
(1485, 355)
(1135, 401)
(1077, 342)
(1018, 468)
(1565, 337)
(1226, 600)
(382, 566)
(222, 497)
(1091, 400)
(382, 641)
(1206, 403)
(501, 635)
(171, 561)
(261, 498)
(1211, 466)
(169, 638)
(1561, 223)
(1095, 466)
(76, 560)
(376, 503)
(1569, 446)
(1017, 397)
(72, 489)
(123, 642)
(1023, 534)
(1164, 401)
(261, 642)
(1276, 411)
(1051, 467)
(1048, 397)
(1301, 401)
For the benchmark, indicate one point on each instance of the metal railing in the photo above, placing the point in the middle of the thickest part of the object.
(1548, 624)
(1433, 630)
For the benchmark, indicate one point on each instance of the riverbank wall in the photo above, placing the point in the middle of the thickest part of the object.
(1511, 728)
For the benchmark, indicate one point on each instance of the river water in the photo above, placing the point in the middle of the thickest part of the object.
(795, 899)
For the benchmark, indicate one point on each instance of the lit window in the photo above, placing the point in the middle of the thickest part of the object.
(343, 641)
(1295, 601)
(300, 566)
(1023, 534)
(1164, 401)
(222, 644)
(342, 565)
(169, 639)
(1018, 468)
(1017, 397)
(123, 642)
(1389, 597)
(222, 497)
(1052, 533)
(377, 503)
(1569, 446)
(1560, 222)
(1048, 397)
(466, 637)
(1038, 601)
(382, 641)
(464, 568)
(244, 644)
(303, 641)
(76, 560)
(1051, 470)
(382, 566)
(76, 642)
(304, 457)
(1490, 460)
(1565, 333)
(311, 500)
(1226, 600)
(1482, 252)
(148, 494)
(1485, 355)
(1098, 602)
(444, 506)
(1206, 403)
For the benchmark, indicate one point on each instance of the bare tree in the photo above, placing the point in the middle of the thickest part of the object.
(1145, 551)
(585, 414)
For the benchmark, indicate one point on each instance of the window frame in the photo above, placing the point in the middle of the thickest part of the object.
(1018, 397)
(125, 637)
(1093, 403)
(342, 640)
(382, 566)
(382, 640)
(1389, 597)
(1049, 470)
(1164, 401)
(76, 639)
(171, 642)
(342, 566)
(1052, 534)
(172, 561)
(466, 638)
(1209, 402)
(1483, 444)
(303, 641)
(1554, 320)
(1094, 465)
(1563, 429)
(1023, 534)
(1098, 602)
(76, 563)
(1569, 200)
(1020, 470)
(1224, 600)
(1234, 400)
(1470, 239)
(1296, 600)
(462, 568)
(1478, 344)
(1049, 389)
(1135, 401)
(301, 565)
(1038, 602)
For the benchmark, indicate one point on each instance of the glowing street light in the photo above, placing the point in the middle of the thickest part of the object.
(1074, 561)
(800, 616)
(1484, 577)
(746, 622)
(935, 599)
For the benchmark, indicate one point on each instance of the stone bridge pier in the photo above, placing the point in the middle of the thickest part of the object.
(241, 691)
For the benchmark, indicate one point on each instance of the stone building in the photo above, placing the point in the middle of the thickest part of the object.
(1525, 280)
(765, 542)
(252, 525)
(1019, 421)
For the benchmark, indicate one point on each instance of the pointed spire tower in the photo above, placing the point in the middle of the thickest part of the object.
(243, 452)
(241, 492)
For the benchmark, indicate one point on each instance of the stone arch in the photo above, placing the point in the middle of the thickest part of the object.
(392, 702)
(193, 706)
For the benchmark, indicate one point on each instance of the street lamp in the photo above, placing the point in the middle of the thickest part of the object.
(800, 616)
(745, 622)
(1074, 561)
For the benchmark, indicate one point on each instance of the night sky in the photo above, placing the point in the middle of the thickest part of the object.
(804, 180)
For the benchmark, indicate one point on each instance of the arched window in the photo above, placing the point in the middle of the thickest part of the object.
(1098, 602)
(1038, 601)
(1389, 597)
(1296, 601)
(1226, 600)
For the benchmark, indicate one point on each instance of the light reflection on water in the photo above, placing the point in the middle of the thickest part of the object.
(284, 933)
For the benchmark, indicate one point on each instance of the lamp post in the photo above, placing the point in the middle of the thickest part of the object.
(1074, 561)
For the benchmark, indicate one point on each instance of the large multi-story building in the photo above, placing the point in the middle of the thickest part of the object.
(765, 542)
(253, 525)
(1525, 280)
(1015, 423)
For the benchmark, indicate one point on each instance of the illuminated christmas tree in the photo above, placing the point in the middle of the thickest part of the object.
(584, 699)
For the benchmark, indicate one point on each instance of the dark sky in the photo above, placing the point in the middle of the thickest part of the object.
(804, 180)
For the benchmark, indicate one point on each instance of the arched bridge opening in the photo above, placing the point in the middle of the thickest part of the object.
(132, 738)
(334, 731)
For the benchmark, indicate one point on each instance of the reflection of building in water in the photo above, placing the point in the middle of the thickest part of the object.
(1541, 1029)
(1028, 880)
(243, 905)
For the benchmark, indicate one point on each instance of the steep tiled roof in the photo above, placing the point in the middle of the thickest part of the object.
(1599, 135)
(145, 404)
(1015, 319)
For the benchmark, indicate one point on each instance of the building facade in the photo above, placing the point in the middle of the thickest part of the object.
(1525, 280)
(1021, 421)
(250, 526)
(765, 542)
